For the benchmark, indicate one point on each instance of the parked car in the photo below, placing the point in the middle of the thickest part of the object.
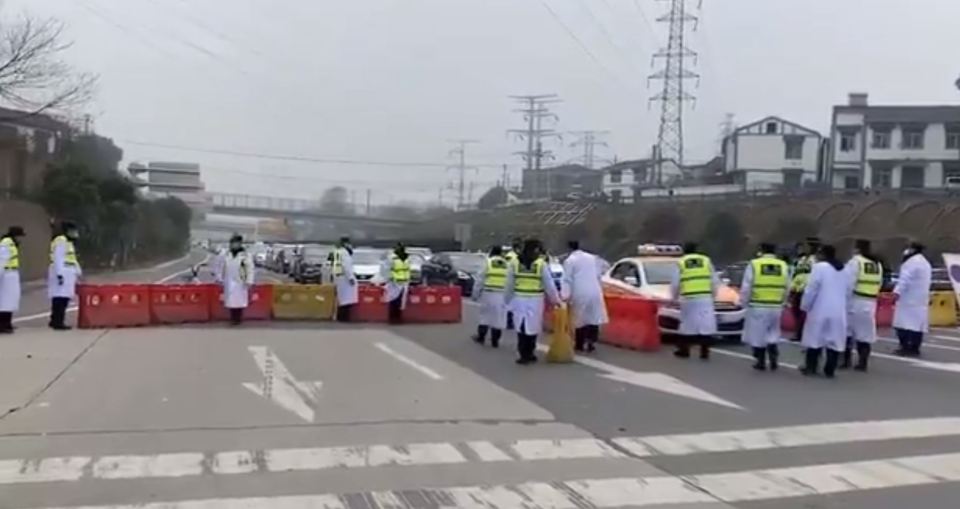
(311, 265)
(367, 263)
(457, 268)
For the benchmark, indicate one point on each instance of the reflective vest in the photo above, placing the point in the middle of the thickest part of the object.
(399, 270)
(13, 263)
(869, 278)
(337, 263)
(769, 281)
(695, 276)
(512, 257)
(496, 277)
(71, 256)
(801, 272)
(528, 281)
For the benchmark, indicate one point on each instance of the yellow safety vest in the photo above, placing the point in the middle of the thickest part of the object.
(512, 257)
(400, 270)
(13, 263)
(71, 257)
(337, 263)
(801, 272)
(695, 276)
(769, 281)
(496, 277)
(528, 282)
(869, 278)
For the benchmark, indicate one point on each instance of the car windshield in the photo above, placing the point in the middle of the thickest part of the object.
(660, 273)
(316, 254)
(467, 262)
(368, 256)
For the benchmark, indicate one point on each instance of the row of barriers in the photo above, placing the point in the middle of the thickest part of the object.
(109, 306)
(942, 313)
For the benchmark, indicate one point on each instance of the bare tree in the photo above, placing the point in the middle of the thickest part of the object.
(33, 73)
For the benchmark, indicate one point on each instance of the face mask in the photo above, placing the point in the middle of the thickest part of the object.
(235, 247)
(72, 234)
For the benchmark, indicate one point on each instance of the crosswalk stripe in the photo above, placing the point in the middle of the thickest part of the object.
(729, 487)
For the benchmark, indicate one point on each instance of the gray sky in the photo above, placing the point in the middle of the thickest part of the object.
(393, 80)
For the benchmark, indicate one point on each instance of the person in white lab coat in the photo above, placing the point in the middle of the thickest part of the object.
(63, 274)
(488, 290)
(694, 288)
(764, 291)
(237, 277)
(911, 318)
(344, 279)
(583, 272)
(395, 270)
(9, 277)
(865, 277)
(528, 283)
(825, 302)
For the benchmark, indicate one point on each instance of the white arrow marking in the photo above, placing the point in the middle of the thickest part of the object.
(281, 387)
(656, 381)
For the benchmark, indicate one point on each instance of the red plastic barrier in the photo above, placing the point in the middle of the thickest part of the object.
(885, 307)
(788, 323)
(107, 306)
(434, 304)
(171, 304)
(633, 323)
(260, 307)
(370, 307)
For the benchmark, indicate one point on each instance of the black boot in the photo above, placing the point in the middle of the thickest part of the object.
(6, 322)
(683, 348)
(592, 337)
(579, 339)
(495, 337)
(705, 347)
(830, 367)
(812, 362)
(773, 351)
(847, 361)
(863, 355)
(760, 354)
(481, 335)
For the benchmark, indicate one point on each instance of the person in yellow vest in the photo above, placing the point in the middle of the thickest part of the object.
(512, 256)
(694, 287)
(488, 290)
(865, 274)
(63, 274)
(396, 272)
(9, 277)
(764, 293)
(528, 283)
(803, 265)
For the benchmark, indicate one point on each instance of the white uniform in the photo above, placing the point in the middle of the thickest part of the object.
(761, 325)
(237, 278)
(493, 307)
(698, 315)
(913, 291)
(861, 311)
(347, 290)
(582, 274)
(9, 283)
(59, 267)
(825, 301)
(393, 289)
(528, 309)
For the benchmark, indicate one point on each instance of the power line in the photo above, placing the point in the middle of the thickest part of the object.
(646, 20)
(576, 39)
(99, 14)
(535, 110)
(606, 33)
(461, 152)
(203, 26)
(589, 140)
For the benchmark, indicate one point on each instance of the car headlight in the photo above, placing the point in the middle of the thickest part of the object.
(462, 275)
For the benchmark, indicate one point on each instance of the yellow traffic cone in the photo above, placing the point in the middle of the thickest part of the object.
(561, 338)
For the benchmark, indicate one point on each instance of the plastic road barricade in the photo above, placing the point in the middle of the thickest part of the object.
(434, 304)
(370, 306)
(107, 306)
(633, 323)
(304, 302)
(170, 304)
(259, 307)
(943, 309)
(885, 306)
(561, 337)
(788, 321)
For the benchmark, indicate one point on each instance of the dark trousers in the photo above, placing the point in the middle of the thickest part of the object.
(495, 335)
(812, 362)
(236, 316)
(509, 320)
(762, 354)
(910, 341)
(863, 355)
(58, 312)
(395, 310)
(685, 342)
(799, 316)
(526, 344)
(343, 313)
(586, 337)
(6, 321)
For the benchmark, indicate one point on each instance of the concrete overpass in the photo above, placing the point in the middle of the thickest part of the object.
(293, 208)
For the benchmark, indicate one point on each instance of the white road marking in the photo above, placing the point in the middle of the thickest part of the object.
(136, 467)
(730, 487)
(43, 470)
(926, 344)
(946, 338)
(409, 362)
(361, 457)
(280, 386)
(487, 452)
(740, 355)
(564, 449)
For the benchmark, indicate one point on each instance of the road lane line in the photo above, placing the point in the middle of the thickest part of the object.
(161, 465)
(43, 470)
(740, 355)
(363, 457)
(487, 452)
(926, 344)
(409, 362)
(727, 487)
(564, 449)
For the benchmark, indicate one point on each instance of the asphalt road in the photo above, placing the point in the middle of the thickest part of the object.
(295, 415)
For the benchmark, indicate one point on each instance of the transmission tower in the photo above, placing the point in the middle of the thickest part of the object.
(589, 140)
(535, 109)
(460, 152)
(675, 73)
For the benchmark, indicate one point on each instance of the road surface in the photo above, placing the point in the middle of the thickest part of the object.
(297, 415)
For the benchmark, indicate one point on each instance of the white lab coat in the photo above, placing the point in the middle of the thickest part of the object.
(9, 283)
(392, 289)
(825, 301)
(528, 310)
(237, 277)
(582, 273)
(698, 316)
(912, 311)
(761, 325)
(59, 267)
(347, 289)
(493, 307)
(216, 266)
(861, 311)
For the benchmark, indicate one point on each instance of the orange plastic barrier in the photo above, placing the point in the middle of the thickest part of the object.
(107, 306)
(369, 308)
(170, 304)
(434, 304)
(260, 307)
(633, 323)
(885, 306)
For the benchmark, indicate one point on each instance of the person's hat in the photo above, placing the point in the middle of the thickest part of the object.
(16, 231)
(68, 225)
(236, 238)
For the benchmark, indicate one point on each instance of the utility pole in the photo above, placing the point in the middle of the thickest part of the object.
(460, 151)
(727, 127)
(369, 193)
(589, 140)
(674, 74)
(505, 178)
(535, 108)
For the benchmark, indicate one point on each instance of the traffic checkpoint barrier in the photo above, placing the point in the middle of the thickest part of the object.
(943, 309)
(304, 302)
(173, 304)
(632, 323)
(370, 307)
(885, 306)
(434, 304)
(260, 307)
(108, 306)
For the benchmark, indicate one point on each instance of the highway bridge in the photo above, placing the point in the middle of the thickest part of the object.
(292, 208)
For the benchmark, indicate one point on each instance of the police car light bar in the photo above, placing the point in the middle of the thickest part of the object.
(659, 249)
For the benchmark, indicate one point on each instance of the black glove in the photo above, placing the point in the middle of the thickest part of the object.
(59, 280)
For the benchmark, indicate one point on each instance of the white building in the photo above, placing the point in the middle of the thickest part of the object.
(621, 180)
(893, 147)
(773, 153)
(180, 180)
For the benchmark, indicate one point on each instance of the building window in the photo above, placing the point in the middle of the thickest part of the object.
(616, 176)
(851, 182)
(953, 136)
(913, 138)
(792, 179)
(951, 173)
(771, 128)
(848, 142)
(793, 147)
(911, 177)
(881, 139)
(882, 178)
(616, 196)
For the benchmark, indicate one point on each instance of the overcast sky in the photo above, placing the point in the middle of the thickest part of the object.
(394, 80)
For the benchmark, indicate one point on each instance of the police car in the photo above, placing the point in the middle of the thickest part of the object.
(649, 273)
